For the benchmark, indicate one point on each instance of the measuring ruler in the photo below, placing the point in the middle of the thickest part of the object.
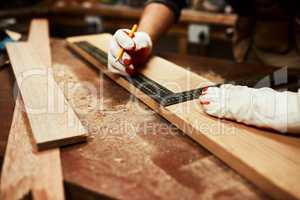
(159, 93)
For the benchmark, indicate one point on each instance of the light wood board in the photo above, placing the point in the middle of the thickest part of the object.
(39, 38)
(269, 160)
(52, 119)
(25, 169)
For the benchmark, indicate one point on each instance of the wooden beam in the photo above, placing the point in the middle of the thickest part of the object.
(269, 160)
(25, 169)
(51, 126)
(40, 40)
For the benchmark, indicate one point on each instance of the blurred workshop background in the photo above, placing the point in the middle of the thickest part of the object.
(205, 27)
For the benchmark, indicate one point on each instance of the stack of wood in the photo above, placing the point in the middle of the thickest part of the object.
(32, 160)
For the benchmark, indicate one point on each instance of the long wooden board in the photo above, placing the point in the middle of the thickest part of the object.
(25, 169)
(51, 126)
(39, 38)
(269, 160)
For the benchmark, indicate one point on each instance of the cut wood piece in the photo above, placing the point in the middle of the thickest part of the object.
(269, 160)
(25, 169)
(51, 125)
(40, 40)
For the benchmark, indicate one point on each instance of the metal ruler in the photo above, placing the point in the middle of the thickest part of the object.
(159, 93)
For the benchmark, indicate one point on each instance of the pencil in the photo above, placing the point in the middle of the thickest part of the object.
(131, 33)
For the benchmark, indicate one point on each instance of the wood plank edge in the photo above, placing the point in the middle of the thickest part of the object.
(54, 143)
(61, 142)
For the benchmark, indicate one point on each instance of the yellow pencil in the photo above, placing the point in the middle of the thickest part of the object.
(132, 31)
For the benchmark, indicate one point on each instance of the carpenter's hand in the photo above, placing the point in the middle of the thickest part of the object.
(263, 107)
(137, 50)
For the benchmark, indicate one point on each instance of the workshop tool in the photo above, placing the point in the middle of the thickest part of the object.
(250, 151)
(164, 96)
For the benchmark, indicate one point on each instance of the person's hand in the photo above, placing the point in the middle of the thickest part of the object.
(263, 107)
(137, 50)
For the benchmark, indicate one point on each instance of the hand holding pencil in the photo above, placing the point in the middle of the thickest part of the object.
(128, 49)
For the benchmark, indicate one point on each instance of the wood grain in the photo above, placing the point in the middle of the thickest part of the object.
(51, 126)
(25, 169)
(250, 151)
(39, 38)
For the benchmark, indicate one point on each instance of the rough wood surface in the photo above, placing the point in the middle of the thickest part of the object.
(39, 38)
(252, 152)
(26, 170)
(7, 103)
(52, 119)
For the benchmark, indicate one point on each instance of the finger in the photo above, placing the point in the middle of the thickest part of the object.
(211, 91)
(206, 98)
(204, 91)
(115, 50)
(142, 40)
(204, 102)
(124, 40)
(226, 86)
(130, 70)
(113, 65)
(205, 105)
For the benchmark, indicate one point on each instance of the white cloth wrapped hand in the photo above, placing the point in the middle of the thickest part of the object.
(263, 107)
(137, 50)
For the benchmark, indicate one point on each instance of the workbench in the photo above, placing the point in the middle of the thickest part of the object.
(131, 152)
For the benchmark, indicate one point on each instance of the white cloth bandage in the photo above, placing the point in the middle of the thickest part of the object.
(263, 107)
(121, 40)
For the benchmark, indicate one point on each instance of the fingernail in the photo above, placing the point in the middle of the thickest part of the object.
(205, 89)
(130, 70)
(204, 102)
(131, 67)
(127, 62)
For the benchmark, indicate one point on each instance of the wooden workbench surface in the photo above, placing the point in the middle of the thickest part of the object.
(131, 152)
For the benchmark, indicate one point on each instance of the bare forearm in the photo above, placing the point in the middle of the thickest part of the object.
(156, 20)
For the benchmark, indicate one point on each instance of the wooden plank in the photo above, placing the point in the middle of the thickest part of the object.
(52, 119)
(250, 151)
(40, 40)
(25, 169)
